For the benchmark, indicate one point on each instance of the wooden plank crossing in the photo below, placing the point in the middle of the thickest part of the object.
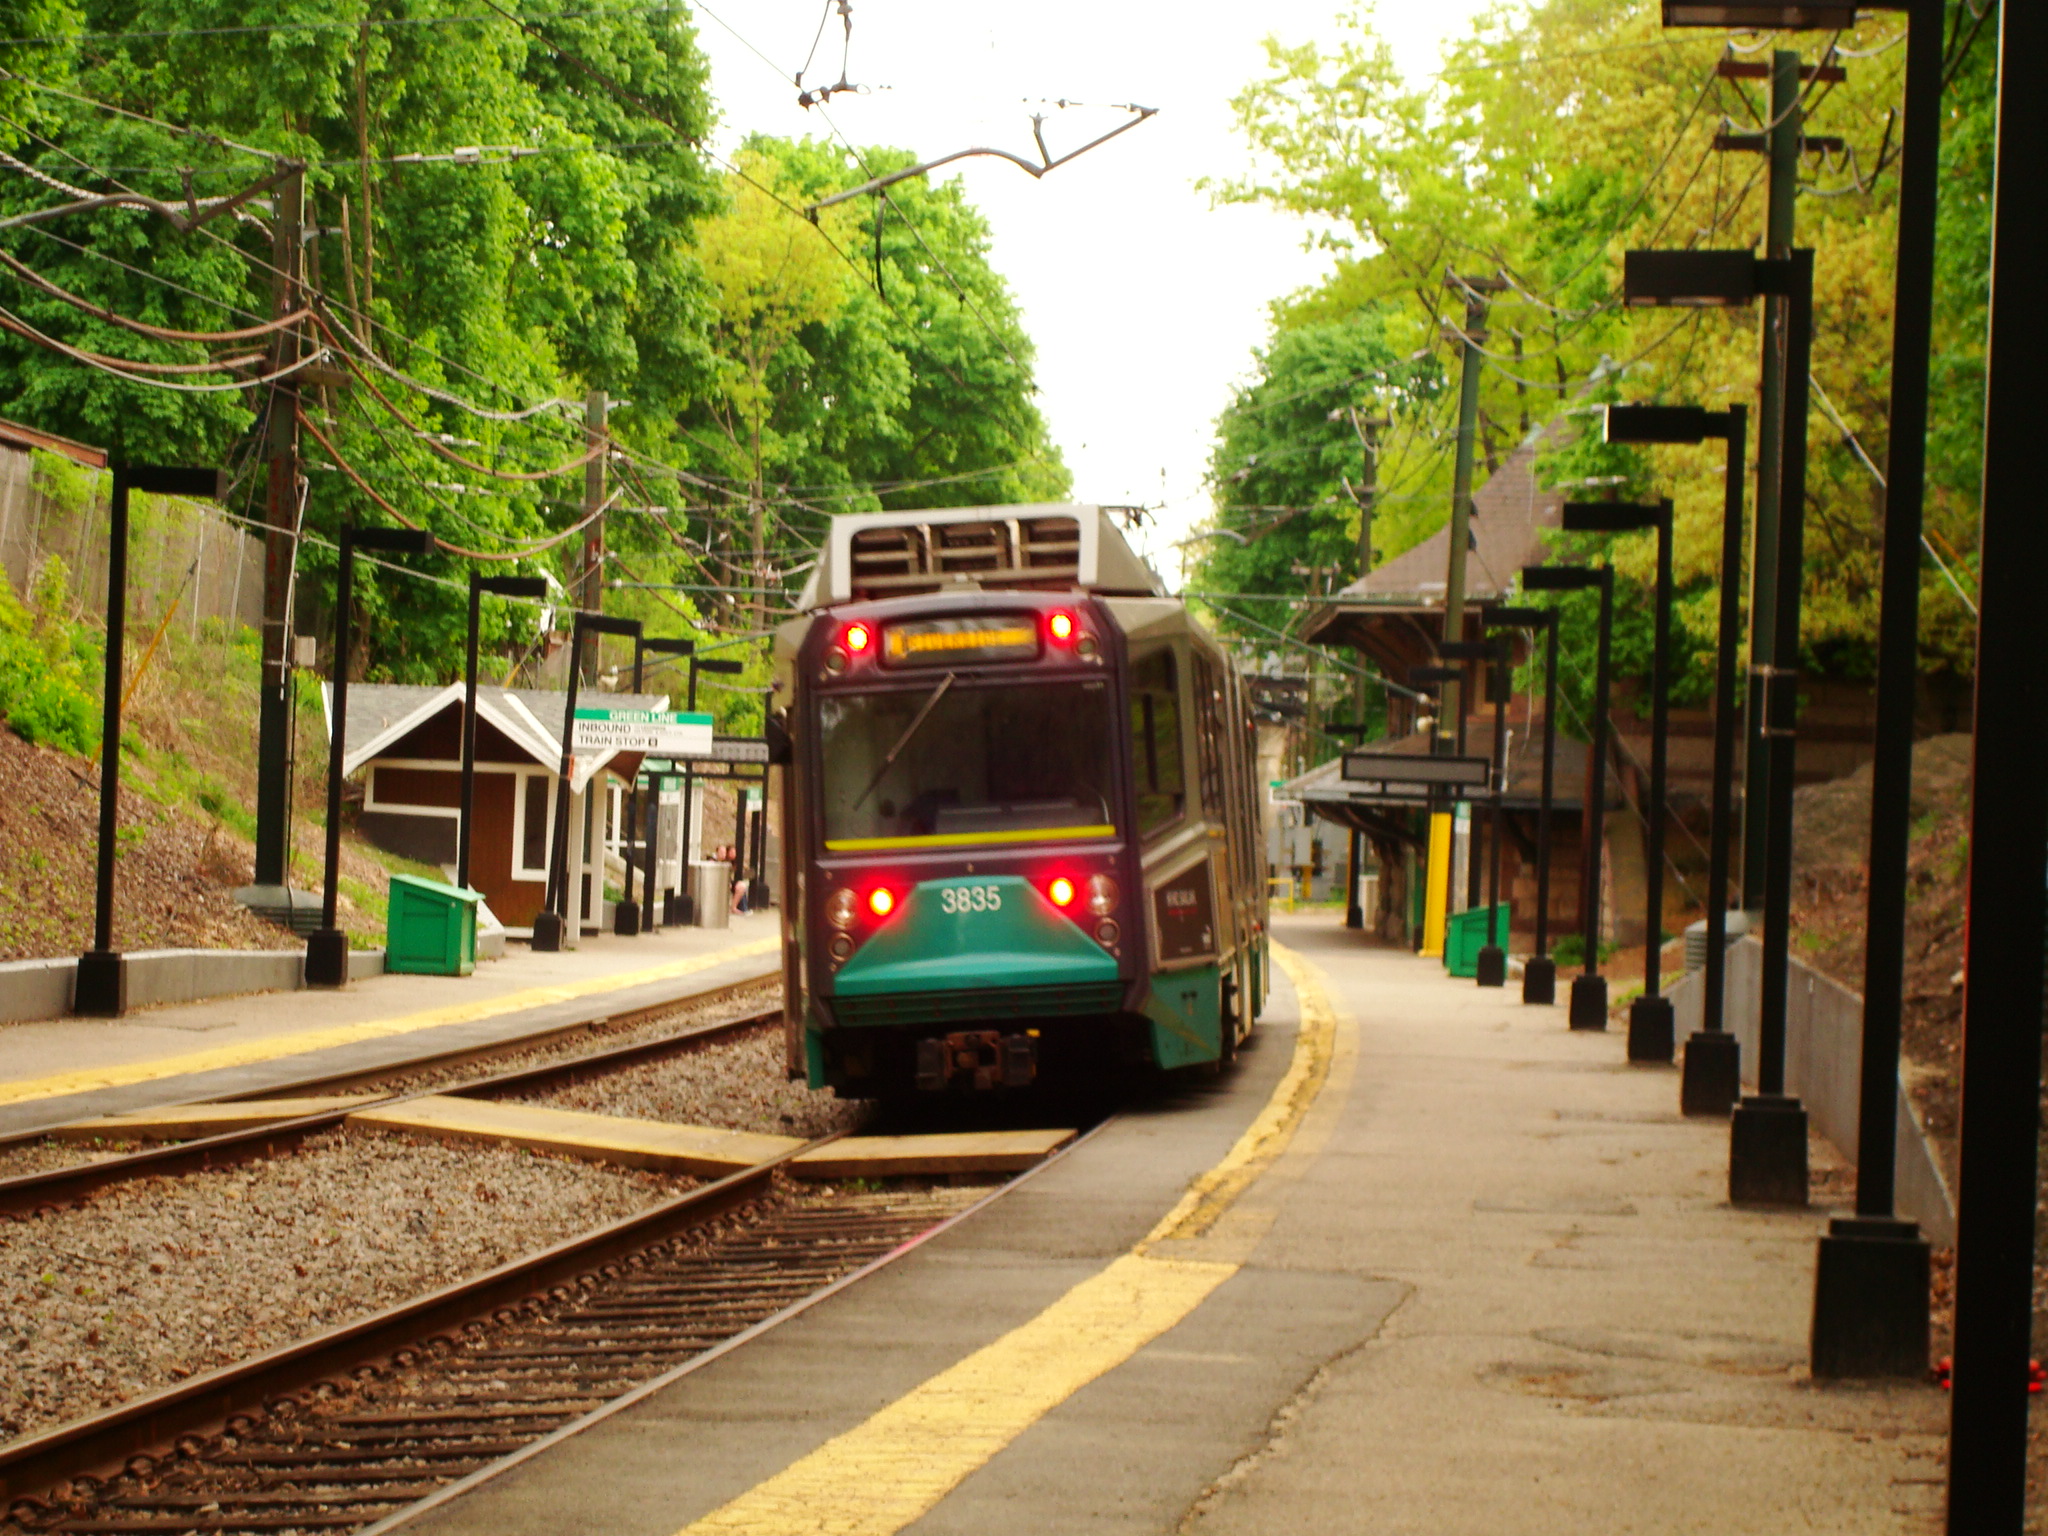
(876, 1157)
(187, 1122)
(577, 1133)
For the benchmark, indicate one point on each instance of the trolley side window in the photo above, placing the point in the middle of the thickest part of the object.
(1209, 728)
(1156, 765)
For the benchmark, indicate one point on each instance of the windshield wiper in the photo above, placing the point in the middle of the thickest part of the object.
(903, 741)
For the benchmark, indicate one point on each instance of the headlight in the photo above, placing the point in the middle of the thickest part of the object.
(1102, 895)
(841, 907)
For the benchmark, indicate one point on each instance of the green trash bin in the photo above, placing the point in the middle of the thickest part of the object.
(1466, 936)
(431, 928)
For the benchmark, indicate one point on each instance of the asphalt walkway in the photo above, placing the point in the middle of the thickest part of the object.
(65, 1069)
(1423, 1262)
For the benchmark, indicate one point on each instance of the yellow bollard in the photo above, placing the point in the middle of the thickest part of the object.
(1437, 887)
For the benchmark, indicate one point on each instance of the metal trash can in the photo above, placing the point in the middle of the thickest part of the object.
(711, 893)
(430, 929)
(1466, 936)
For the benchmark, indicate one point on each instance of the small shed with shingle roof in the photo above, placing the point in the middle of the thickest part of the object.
(406, 741)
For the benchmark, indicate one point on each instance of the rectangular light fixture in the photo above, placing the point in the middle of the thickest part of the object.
(1688, 279)
(723, 668)
(513, 586)
(1659, 424)
(1611, 516)
(598, 623)
(1561, 578)
(1372, 766)
(1508, 616)
(176, 480)
(669, 647)
(394, 541)
(1753, 16)
(1424, 676)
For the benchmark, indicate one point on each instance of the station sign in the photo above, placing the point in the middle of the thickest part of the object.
(1407, 774)
(665, 731)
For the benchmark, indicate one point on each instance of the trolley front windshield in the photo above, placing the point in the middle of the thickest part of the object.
(962, 762)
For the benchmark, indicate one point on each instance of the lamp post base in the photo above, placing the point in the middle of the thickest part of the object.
(547, 933)
(1492, 966)
(101, 991)
(1711, 1080)
(1589, 1002)
(1539, 980)
(1651, 1032)
(757, 895)
(1767, 1151)
(1870, 1302)
(686, 908)
(326, 958)
(626, 919)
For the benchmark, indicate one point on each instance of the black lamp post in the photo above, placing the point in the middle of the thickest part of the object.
(1491, 969)
(1539, 971)
(717, 668)
(1988, 1453)
(327, 945)
(498, 586)
(1711, 1080)
(560, 908)
(1767, 1156)
(101, 989)
(627, 915)
(1649, 1016)
(1589, 989)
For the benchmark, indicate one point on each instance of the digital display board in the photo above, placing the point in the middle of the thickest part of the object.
(947, 642)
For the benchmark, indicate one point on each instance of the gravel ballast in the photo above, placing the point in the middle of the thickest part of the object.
(150, 1283)
(736, 1083)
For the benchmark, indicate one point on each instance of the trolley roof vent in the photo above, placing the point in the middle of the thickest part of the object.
(1056, 547)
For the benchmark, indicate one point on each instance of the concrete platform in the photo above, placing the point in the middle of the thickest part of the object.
(60, 1070)
(654, 1144)
(1453, 1270)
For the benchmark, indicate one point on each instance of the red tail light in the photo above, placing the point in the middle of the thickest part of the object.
(858, 638)
(1062, 626)
(1061, 891)
(881, 901)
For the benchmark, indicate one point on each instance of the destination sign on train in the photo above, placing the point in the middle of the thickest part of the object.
(666, 731)
(937, 642)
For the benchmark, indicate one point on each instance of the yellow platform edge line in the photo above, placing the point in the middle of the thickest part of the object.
(893, 1469)
(272, 1047)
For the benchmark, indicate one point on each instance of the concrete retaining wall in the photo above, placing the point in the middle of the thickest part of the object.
(42, 989)
(1823, 1063)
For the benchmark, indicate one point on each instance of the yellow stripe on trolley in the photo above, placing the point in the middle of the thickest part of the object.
(964, 839)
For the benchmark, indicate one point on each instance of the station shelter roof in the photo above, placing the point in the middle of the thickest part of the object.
(381, 716)
(1395, 613)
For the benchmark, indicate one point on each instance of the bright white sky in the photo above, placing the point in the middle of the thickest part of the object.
(1145, 302)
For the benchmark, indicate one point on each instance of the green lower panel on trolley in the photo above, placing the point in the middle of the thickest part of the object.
(968, 935)
(981, 1003)
(1186, 1010)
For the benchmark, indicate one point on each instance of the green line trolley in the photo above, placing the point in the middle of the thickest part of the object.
(1019, 824)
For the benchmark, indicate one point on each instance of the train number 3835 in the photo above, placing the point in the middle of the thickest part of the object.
(971, 898)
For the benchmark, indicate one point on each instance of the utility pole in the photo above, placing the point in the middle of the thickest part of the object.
(1451, 708)
(590, 585)
(1782, 141)
(280, 553)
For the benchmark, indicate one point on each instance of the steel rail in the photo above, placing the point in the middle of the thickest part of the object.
(110, 1442)
(31, 1192)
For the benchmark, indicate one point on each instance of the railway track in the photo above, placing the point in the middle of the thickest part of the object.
(28, 1193)
(349, 1428)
